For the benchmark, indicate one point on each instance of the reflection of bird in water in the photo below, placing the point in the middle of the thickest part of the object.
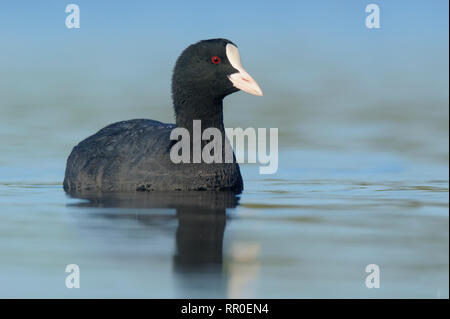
(199, 236)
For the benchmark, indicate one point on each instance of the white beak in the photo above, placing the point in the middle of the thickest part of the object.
(241, 80)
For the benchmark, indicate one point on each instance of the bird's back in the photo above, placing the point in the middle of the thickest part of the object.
(135, 155)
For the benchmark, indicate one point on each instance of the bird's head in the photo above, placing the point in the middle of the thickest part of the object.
(212, 68)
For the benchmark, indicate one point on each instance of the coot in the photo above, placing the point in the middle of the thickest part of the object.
(134, 155)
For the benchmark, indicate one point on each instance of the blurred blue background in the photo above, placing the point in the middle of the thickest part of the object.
(363, 118)
(316, 62)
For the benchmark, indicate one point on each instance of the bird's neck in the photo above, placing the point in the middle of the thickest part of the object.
(189, 110)
(208, 110)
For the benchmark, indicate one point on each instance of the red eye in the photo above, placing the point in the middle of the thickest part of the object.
(215, 59)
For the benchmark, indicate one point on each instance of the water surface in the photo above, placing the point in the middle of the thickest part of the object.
(309, 231)
(363, 178)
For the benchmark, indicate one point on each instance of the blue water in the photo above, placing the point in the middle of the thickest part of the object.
(363, 178)
(309, 231)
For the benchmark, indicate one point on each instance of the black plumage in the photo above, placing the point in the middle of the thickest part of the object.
(134, 155)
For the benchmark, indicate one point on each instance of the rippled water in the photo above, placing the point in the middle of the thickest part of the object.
(308, 231)
(363, 178)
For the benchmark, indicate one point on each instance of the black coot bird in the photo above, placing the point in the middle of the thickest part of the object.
(134, 155)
